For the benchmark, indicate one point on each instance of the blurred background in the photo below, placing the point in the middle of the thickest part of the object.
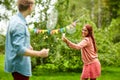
(49, 15)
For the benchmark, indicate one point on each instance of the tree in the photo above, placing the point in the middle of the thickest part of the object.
(7, 5)
(114, 8)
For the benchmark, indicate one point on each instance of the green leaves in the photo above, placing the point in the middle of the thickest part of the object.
(2, 43)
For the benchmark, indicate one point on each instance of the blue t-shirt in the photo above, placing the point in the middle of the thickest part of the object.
(17, 41)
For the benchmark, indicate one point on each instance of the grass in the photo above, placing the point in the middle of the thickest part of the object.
(108, 73)
(57, 76)
(3, 75)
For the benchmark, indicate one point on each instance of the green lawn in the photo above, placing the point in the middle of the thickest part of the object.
(57, 76)
(3, 75)
(108, 73)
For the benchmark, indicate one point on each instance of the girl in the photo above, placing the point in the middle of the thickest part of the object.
(92, 67)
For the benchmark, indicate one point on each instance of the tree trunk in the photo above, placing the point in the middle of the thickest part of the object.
(92, 9)
(99, 13)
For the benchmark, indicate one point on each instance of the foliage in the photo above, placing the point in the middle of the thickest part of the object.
(7, 5)
(108, 44)
(114, 8)
(2, 43)
(62, 58)
(108, 73)
(66, 59)
(114, 30)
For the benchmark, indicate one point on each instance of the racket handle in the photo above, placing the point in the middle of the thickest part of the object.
(63, 35)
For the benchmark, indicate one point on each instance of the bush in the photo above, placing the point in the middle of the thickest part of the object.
(2, 43)
(108, 44)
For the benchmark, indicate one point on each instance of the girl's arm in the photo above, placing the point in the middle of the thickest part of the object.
(78, 46)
